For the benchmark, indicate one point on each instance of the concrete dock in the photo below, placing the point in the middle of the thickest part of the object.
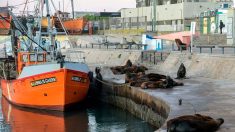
(209, 87)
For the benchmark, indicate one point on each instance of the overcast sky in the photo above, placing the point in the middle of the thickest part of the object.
(79, 5)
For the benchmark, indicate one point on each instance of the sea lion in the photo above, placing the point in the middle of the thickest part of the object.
(155, 76)
(171, 83)
(194, 123)
(128, 63)
(152, 85)
(181, 72)
(99, 78)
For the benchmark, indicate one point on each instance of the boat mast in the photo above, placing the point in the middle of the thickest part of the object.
(72, 4)
(49, 30)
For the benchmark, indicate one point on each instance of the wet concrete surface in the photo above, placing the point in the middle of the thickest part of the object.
(215, 98)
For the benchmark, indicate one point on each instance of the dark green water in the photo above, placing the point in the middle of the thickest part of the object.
(97, 117)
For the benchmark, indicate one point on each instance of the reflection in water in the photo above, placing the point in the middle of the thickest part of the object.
(95, 118)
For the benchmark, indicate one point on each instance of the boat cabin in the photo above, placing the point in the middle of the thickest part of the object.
(31, 58)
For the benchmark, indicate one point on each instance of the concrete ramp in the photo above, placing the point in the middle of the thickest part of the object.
(200, 65)
(103, 57)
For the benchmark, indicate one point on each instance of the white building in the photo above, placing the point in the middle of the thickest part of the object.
(171, 15)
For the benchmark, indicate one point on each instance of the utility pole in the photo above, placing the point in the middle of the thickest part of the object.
(72, 8)
(154, 15)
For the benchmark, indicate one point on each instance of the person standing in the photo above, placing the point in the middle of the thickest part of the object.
(221, 26)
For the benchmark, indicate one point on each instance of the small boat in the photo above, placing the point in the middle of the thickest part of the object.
(44, 80)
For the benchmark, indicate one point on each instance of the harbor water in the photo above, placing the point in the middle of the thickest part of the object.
(98, 117)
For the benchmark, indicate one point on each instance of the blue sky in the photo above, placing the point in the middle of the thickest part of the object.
(80, 5)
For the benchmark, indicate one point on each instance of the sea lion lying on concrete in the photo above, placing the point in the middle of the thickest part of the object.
(151, 80)
(152, 85)
(130, 77)
(194, 123)
(128, 67)
(162, 83)
(181, 72)
(171, 83)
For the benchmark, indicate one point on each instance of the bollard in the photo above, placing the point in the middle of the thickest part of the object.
(80, 45)
(107, 46)
(100, 46)
(150, 56)
(92, 46)
(161, 56)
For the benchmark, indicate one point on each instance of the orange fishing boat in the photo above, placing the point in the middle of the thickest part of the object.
(54, 86)
(72, 26)
(44, 79)
(75, 26)
(5, 18)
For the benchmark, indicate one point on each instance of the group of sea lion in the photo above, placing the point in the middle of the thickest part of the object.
(135, 75)
(128, 68)
(151, 81)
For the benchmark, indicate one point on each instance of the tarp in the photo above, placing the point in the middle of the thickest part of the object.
(183, 36)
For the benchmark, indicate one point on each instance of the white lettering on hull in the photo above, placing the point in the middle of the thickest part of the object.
(43, 81)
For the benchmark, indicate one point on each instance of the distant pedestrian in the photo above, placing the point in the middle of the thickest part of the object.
(221, 26)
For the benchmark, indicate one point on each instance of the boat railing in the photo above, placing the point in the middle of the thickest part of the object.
(75, 56)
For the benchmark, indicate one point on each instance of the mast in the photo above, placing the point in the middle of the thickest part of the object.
(49, 30)
(59, 6)
(72, 4)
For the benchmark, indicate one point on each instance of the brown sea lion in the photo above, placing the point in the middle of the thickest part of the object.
(194, 123)
(155, 76)
(152, 85)
(181, 72)
(171, 83)
(128, 63)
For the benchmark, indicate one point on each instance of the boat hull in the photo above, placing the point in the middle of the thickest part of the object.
(75, 26)
(55, 90)
(5, 25)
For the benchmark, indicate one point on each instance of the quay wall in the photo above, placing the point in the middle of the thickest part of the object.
(139, 103)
